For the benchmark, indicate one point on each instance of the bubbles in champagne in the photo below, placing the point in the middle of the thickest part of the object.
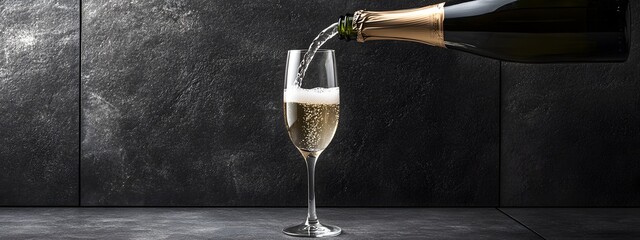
(312, 116)
(322, 37)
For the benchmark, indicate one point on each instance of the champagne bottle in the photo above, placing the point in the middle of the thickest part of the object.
(531, 31)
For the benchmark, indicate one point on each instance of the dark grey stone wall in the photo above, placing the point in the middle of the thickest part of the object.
(39, 113)
(182, 106)
(571, 132)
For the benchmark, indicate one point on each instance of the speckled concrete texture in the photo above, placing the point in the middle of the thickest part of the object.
(580, 223)
(254, 223)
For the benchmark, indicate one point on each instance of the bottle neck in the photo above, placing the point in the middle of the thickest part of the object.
(346, 29)
(423, 25)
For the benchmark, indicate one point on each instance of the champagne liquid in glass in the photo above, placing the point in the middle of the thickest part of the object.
(322, 37)
(312, 117)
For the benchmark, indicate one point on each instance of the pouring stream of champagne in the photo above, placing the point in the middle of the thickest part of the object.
(322, 37)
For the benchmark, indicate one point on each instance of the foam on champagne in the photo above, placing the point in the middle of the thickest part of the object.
(312, 96)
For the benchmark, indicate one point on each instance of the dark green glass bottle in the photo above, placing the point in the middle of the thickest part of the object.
(533, 31)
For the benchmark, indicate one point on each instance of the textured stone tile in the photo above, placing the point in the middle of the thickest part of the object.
(182, 106)
(254, 223)
(571, 132)
(580, 223)
(39, 117)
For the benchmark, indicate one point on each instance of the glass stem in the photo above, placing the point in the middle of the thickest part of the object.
(311, 160)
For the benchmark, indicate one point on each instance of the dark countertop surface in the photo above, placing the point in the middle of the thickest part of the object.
(357, 223)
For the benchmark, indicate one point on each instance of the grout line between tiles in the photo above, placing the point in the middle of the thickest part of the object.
(500, 133)
(522, 224)
(80, 103)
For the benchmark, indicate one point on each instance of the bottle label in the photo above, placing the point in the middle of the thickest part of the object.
(423, 25)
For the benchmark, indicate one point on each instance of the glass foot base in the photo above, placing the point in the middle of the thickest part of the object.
(312, 230)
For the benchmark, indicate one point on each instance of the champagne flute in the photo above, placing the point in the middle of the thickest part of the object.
(311, 110)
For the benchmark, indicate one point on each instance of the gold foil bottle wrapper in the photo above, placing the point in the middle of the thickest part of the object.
(423, 25)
